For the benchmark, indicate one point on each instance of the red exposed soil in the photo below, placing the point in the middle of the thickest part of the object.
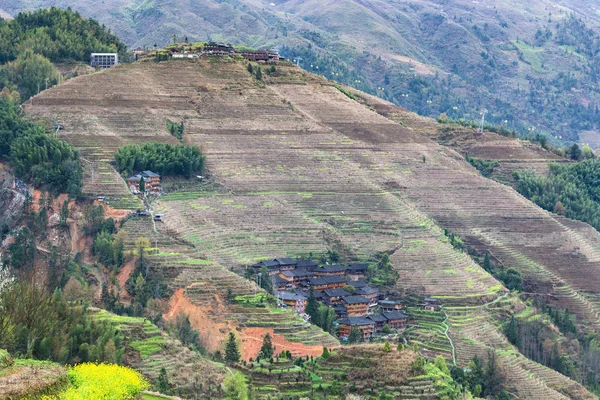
(213, 334)
(252, 339)
(123, 276)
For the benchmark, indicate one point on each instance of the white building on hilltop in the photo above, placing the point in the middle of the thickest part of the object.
(104, 60)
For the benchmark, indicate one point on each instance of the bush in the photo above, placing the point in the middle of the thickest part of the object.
(5, 359)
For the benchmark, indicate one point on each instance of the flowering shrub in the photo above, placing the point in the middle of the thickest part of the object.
(102, 382)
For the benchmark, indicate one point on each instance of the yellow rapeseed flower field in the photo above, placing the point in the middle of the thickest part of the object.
(102, 382)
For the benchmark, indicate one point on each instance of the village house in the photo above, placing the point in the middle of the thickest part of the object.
(294, 277)
(326, 282)
(286, 264)
(331, 270)
(309, 265)
(279, 283)
(431, 304)
(369, 293)
(297, 301)
(357, 284)
(389, 305)
(379, 320)
(364, 324)
(340, 310)
(334, 296)
(357, 271)
(151, 182)
(356, 306)
(396, 319)
(272, 266)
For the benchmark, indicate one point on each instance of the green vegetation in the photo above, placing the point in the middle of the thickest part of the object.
(485, 167)
(176, 130)
(31, 42)
(381, 272)
(162, 158)
(232, 353)
(36, 156)
(574, 186)
(46, 327)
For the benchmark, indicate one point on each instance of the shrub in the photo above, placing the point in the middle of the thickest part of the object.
(5, 359)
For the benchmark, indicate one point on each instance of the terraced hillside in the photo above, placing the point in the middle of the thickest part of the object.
(148, 350)
(303, 167)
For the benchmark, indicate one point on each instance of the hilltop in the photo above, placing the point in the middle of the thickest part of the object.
(301, 165)
(530, 64)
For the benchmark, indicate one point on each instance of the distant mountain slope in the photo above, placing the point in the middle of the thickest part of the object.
(4, 15)
(528, 62)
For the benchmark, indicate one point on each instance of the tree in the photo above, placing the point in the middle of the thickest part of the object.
(387, 347)
(250, 69)
(235, 386)
(487, 265)
(142, 185)
(22, 251)
(162, 383)
(575, 152)
(355, 336)
(30, 73)
(513, 279)
(493, 377)
(64, 214)
(440, 363)
(267, 349)
(512, 332)
(232, 353)
(259, 74)
(325, 354)
(265, 280)
(312, 306)
(559, 208)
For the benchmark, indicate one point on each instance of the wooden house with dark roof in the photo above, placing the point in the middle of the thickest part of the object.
(334, 296)
(357, 284)
(294, 277)
(297, 301)
(390, 305)
(331, 270)
(396, 319)
(279, 283)
(364, 324)
(379, 321)
(306, 264)
(369, 293)
(356, 306)
(357, 271)
(286, 263)
(272, 266)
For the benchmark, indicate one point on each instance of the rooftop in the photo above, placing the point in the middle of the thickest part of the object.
(377, 318)
(355, 300)
(290, 296)
(365, 290)
(335, 293)
(395, 315)
(331, 268)
(286, 261)
(358, 267)
(353, 321)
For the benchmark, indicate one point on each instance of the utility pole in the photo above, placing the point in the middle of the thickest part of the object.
(482, 124)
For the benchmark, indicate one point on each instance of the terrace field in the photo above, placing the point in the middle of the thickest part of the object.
(302, 167)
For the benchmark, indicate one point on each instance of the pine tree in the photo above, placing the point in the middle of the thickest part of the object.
(312, 307)
(142, 185)
(162, 383)
(512, 332)
(259, 75)
(232, 353)
(487, 265)
(64, 214)
(267, 349)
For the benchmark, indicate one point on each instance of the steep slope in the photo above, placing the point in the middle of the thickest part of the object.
(529, 63)
(302, 167)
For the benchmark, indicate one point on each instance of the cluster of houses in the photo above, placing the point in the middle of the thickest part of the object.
(150, 181)
(212, 48)
(341, 287)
